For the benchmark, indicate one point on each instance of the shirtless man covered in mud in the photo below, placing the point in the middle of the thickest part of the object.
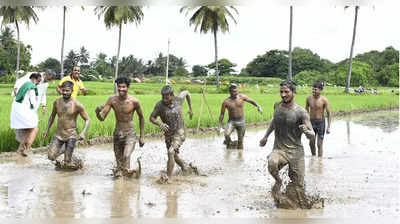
(67, 109)
(289, 122)
(315, 106)
(169, 109)
(124, 107)
(234, 104)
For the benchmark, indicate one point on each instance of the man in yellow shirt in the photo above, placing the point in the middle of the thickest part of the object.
(74, 78)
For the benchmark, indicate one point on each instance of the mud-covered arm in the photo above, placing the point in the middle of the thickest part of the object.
(153, 118)
(141, 118)
(86, 118)
(306, 126)
(221, 115)
(105, 110)
(253, 102)
(328, 114)
(307, 106)
(51, 119)
(185, 94)
(270, 129)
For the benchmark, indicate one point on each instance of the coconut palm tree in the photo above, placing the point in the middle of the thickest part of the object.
(16, 15)
(211, 18)
(116, 16)
(63, 38)
(351, 49)
(290, 77)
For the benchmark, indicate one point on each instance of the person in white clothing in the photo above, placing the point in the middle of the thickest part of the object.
(23, 117)
(45, 78)
(42, 88)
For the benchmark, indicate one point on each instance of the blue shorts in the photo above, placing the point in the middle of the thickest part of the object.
(319, 127)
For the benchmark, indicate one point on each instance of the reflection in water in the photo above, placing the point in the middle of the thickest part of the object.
(239, 154)
(122, 193)
(316, 165)
(348, 131)
(61, 194)
(171, 198)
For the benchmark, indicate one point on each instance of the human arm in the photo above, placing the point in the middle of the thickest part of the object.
(86, 118)
(221, 117)
(58, 88)
(307, 106)
(306, 126)
(105, 108)
(42, 96)
(153, 119)
(141, 123)
(51, 119)
(270, 129)
(186, 94)
(328, 114)
(254, 103)
(82, 88)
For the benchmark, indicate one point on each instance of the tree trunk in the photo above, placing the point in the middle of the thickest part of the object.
(19, 49)
(116, 63)
(351, 52)
(62, 42)
(290, 77)
(216, 58)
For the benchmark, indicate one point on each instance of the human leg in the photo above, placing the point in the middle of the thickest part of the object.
(227, 133)
(55, 149)
(241, 130)
(171, 155)
(129, 146)
(295, 189)
(276, 160)
(320, 144)
(69, 150)
(31, 137)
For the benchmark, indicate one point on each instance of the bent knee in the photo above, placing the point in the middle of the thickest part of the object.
(51, 156)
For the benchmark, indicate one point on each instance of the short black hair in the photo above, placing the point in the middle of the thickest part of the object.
(34, 76)
(318, 85)
(121, 80)
(67, 84)
(290, 84)
(167, 90)
(232, 86)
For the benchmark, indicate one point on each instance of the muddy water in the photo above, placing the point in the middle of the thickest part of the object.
(358, 176)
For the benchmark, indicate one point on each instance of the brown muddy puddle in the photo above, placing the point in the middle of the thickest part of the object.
(358, 176)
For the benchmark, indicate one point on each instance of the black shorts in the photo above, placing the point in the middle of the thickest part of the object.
(319, 127)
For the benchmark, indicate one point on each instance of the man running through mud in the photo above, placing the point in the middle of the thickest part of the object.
(289, 122)
(316, 106)
(234, 104)
(169, 109)
(124, 107)
(67, 109)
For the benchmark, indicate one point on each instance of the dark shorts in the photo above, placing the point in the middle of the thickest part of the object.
(56, 147)
(174, 142)
(319, 127)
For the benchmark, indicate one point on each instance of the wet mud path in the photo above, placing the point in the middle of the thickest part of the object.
(358, 176)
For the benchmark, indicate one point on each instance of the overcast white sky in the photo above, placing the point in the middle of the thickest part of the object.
(326, 29)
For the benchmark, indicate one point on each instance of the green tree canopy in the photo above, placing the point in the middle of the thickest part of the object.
(225, 66)
(50, 63)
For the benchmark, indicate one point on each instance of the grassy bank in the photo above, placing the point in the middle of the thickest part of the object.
(339, 102)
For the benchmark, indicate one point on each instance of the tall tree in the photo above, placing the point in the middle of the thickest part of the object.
(63, 38)
(116, 16)
(211, 18)
(83, 55)
(351, 49)
(290, 76)
(16, 15)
